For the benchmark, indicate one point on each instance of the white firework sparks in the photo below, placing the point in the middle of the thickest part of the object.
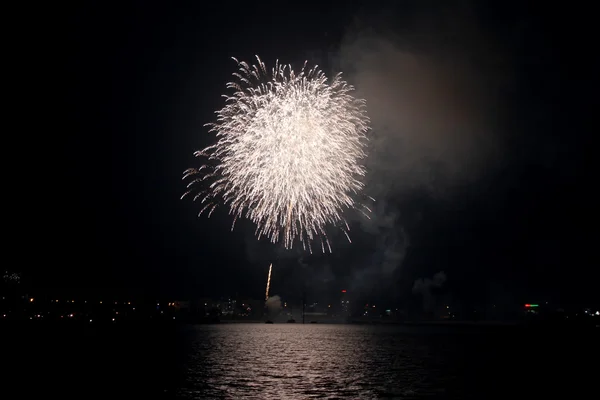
(288, 154)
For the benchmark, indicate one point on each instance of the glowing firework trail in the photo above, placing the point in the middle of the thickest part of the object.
(288, 154)
(268, 283)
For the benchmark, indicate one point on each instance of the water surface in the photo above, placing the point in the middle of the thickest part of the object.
(295, 361)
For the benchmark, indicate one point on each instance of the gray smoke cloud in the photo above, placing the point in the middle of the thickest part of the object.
(273, 304)
(390, 246)
(425, 287)
(392, 241)
(430, 116)
(433, 91)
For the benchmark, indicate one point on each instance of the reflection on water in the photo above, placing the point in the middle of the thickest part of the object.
(295, 361)
(283, 361)
(329, 361)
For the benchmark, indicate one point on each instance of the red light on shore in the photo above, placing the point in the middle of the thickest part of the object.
(343, 290)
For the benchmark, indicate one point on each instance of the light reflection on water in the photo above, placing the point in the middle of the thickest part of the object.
(291, 361)
(295, 361)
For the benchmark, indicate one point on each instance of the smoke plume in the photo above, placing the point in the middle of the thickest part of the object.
(425, 288)
(432, 81)
(433, 96)
(273, 304)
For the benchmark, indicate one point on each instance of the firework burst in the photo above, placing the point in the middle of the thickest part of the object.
(288, 154)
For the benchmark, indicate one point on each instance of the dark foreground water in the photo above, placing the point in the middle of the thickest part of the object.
(294, 361)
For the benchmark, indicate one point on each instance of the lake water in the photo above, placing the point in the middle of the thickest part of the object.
(295, 361)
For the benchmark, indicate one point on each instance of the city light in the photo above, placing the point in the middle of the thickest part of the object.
(224, 309)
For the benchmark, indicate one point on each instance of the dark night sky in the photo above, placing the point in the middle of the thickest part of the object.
(116, 98)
